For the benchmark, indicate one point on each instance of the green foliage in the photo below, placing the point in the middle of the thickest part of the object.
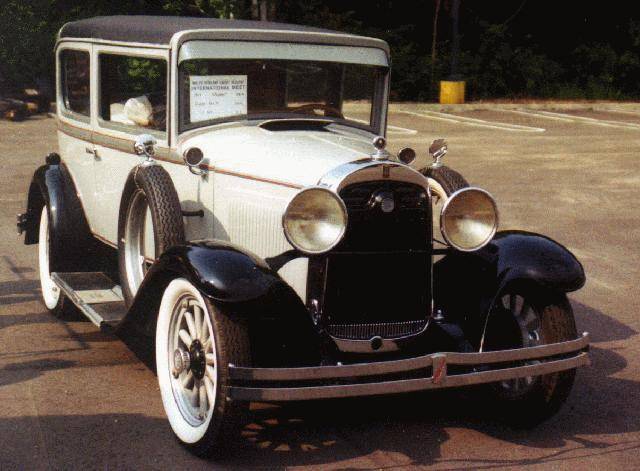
(25, 41)
(589, 53)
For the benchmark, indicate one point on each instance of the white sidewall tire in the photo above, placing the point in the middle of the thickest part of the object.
(186, 432)
(50, 292)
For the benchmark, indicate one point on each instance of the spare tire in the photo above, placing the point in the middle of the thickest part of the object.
(450, 180)
(148, 193)
(443, 182)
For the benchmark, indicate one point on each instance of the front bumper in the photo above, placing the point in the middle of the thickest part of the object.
(284, 384)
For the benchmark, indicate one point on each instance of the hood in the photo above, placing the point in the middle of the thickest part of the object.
(295, 157)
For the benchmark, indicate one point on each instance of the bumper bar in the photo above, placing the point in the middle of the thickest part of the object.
(573, 354)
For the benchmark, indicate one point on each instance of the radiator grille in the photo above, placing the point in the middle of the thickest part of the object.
(378, 279)
(386, 330)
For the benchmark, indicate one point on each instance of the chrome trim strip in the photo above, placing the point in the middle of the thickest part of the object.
(439, 380)
(163, 154)
(115, 143)
(74, 131)
(410, 364)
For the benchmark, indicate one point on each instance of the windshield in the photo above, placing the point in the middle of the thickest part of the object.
(214, 90)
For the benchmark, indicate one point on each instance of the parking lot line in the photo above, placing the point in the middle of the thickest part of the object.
(398, 130)
(615, 110)
(472, 121)
(569, 118)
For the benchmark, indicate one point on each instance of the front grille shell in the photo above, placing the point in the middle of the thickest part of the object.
(377, 281)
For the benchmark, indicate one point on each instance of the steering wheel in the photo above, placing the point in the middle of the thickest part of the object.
(334, 112)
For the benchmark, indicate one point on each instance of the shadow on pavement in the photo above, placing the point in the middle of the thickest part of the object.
(21, 291)
(26, 370)
(395, 431)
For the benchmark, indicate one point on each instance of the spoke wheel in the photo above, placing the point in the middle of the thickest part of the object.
(193, 365)
(195, 343)
(526, 317)
(529, 325)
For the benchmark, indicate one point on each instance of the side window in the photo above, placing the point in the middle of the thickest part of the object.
(133, 92)
(74, 67)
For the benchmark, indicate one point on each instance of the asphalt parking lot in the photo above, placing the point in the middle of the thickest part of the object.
(72, 396)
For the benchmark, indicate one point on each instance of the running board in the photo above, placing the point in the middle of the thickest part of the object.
(95, 294)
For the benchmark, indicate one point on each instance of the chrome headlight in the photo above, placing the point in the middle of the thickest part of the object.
(469, 219)
(315, 220)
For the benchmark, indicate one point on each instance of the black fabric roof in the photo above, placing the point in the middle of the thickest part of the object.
(160, 29)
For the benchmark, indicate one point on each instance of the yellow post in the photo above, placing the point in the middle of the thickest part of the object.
(451, 93)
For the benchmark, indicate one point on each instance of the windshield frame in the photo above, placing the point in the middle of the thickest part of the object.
(355, 56)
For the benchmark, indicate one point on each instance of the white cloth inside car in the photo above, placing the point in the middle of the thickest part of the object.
(136, 111)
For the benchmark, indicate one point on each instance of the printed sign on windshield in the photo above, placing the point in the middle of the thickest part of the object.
(217, 96)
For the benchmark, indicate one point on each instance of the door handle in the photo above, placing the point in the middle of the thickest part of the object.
(91, 150)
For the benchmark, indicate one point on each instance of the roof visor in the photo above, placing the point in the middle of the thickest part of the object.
(282, 51)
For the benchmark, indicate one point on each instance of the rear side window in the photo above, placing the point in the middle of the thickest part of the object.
(75, 81)
(133, 92)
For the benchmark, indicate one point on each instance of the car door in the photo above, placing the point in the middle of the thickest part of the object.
(132, 85)
(74, 103)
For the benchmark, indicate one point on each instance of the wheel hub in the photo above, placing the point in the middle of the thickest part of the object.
(197, 359)
(181, 361)
(194, 359)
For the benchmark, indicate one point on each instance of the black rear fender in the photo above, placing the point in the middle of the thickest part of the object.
(72, 244)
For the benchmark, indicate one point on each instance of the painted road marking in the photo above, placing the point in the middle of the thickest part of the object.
(569, 118)
(399, 130)
(390, 129)
(615, 110)
(472, 121)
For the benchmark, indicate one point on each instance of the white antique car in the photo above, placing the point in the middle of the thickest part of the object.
(222, 193)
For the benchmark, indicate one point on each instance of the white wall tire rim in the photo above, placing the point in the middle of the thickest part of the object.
(189, 401)
(135, 240)
(437, 191)
(50, 291)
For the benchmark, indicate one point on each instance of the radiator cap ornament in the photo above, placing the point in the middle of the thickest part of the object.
(379, 142)
(438, 150)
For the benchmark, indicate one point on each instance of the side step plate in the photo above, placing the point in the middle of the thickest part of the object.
(95, 295)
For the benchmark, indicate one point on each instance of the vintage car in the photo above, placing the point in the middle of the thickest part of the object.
(222, 194)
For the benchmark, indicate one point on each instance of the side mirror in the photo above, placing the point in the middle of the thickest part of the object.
(438, 149)
(145, 145)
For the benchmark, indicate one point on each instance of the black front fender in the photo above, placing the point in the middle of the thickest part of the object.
(223, 272)
(467, 284)
(242, 286)
(526, 256)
